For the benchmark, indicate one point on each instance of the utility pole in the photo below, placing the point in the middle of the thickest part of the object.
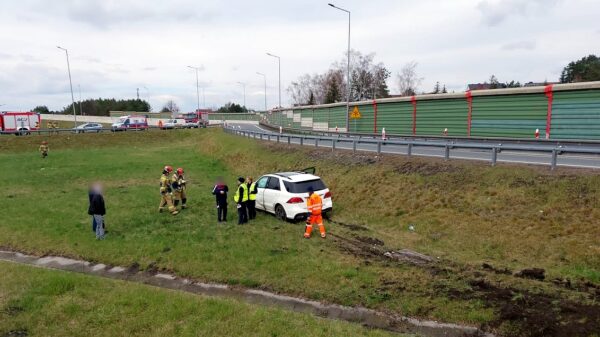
(348, 75)
(137, 92)
(70, 84)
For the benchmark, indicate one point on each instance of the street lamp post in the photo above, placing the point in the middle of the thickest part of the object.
(348, 75)
(70, 84)
(244, 86)
(265, 78)
(279, 61)
(197, 86)
(80, 102)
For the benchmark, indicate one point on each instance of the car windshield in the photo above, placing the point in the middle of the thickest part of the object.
(302, 186)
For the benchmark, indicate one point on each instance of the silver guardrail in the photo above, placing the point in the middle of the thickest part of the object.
(447, 145)
(391, 136)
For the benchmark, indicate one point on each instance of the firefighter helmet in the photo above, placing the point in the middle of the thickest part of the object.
(168, 169)
(179, 171)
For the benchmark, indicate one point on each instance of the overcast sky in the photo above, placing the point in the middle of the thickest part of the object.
(117, 46)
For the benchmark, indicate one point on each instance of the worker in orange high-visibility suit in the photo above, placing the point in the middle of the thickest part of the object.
(315, 206)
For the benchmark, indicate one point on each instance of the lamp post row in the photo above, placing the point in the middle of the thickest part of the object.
(197, 69)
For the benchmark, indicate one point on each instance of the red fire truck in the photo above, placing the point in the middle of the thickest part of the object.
(195, 119)
(19, 123)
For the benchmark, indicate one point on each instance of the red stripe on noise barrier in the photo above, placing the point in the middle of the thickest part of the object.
(375, 116)
(413, 100)
(469, 96)
(548, 90)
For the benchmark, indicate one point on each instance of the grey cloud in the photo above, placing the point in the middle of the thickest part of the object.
(519, 45)
(496, 12)
(105, 14)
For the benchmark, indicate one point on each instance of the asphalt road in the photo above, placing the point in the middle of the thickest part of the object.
(533, 158)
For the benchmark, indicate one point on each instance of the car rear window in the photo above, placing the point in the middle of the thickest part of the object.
(302, 187)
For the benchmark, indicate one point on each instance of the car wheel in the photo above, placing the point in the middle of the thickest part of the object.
(280, 213)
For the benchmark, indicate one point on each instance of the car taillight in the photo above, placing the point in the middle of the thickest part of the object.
(295, 200)
(327, 195)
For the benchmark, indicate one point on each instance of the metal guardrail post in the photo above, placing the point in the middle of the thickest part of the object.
(409, 150)
(378, 147)
(354, 142)
(554, 159)
(446, 152)
(494, 156)
(289, 139)
(317, 142)
(333, 145)
(277, 138)
(301, 140)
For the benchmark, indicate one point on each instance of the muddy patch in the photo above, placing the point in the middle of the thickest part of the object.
(352, 227)
(16, 333)
(532, 273)
(424, 168)
(503, 271)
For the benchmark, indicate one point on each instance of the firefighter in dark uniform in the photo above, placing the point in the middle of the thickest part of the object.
(179, 185)
(166, 192)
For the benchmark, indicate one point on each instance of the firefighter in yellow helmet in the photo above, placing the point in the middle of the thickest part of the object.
(166, 192)
(179, 185)
(44, 149)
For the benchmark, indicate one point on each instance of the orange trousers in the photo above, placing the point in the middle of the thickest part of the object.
(314, 220)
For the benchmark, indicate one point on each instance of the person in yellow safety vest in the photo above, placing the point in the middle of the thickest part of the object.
(166, 196)
(179, 185)
(241, 199)
(252, 191)
(44, 149)
(315, 206)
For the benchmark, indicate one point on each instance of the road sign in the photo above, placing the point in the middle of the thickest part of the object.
(355, 113)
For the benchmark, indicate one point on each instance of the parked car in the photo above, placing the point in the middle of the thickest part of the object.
(177, 123)
(88, 127)
(131, 123)
(285, 194)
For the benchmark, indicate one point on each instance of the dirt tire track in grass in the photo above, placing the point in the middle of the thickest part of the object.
(520, 312)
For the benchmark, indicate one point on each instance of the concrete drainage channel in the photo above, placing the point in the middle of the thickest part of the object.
(366, 317)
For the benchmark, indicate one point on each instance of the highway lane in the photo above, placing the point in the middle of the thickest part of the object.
(532, 158)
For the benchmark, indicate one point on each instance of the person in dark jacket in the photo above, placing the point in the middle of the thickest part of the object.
(97, 210)
(220, 192)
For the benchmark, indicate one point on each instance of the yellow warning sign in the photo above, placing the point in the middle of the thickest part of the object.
(355, 113)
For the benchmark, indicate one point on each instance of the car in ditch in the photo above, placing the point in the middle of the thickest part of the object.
(285, 194)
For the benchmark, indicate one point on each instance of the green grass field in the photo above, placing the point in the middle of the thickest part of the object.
(39, 302)
(465, 214)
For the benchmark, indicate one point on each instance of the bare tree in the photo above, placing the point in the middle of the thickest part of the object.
(407, 78)
(170, 106)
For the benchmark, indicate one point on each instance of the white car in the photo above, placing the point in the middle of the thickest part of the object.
(174, 124)
(285, 194)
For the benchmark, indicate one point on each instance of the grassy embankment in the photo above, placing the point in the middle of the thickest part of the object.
(465, 214)
(39, 302)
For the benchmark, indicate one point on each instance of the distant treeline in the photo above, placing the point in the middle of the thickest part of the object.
(100, 107)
